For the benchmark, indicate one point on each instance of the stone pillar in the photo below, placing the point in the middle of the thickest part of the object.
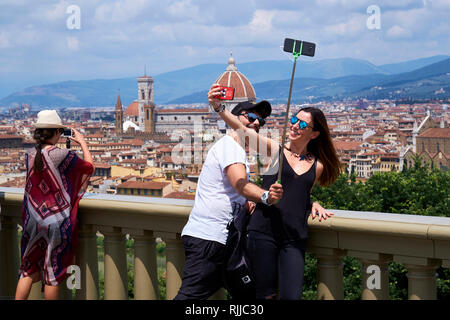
(174, 266)
(330, 277)
(375, 279)
(9, 258)
(116, 278)
(63, 292)
(145, 269)
(36, 292)
(422, 281)
(87, 260)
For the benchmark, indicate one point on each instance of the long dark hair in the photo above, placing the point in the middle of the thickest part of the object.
(41, 135)
(322, 147)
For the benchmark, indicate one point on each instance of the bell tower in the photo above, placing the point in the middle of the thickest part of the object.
(146, 104)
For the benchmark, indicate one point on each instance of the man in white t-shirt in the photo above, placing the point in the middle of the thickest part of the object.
(223, 182)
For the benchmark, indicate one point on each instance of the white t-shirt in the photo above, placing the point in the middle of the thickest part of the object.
(215, 195)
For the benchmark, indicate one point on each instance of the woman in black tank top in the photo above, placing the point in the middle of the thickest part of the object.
(277, 233)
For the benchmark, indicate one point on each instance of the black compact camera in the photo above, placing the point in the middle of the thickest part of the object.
(67, 133)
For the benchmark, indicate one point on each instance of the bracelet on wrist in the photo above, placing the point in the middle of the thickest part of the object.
(220, 109)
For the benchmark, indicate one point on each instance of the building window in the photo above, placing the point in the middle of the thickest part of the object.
(175, 118)
(437, 147)
(143, 94)
(147, 115)
(189, 118)
(162, 118)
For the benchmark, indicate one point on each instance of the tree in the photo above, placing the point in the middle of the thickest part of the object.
(419, 190)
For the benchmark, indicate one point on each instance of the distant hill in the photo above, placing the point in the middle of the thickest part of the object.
(189, 84)
(432, 81)
(411, 65)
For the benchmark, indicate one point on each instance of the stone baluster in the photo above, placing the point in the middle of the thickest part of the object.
(374, 275)
(116, 278)
(174, 264)
(422, 279)
(64, 293)
(330, 277)
(145, 268)
(9, 257)
(36, 291)
(87, 260)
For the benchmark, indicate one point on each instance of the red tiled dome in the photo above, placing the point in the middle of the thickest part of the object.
(243, 89)
(132, 110)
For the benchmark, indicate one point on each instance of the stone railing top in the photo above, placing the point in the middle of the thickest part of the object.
(418, 238)
(426, 227)
(348, 214)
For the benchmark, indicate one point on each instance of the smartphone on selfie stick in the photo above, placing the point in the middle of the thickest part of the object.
(297, 48)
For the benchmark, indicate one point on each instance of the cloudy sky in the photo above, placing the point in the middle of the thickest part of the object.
(44, 41)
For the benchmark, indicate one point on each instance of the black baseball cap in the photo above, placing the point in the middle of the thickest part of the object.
(263, 108)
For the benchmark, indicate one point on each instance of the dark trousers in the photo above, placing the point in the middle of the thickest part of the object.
(203, 269)
(276, 262)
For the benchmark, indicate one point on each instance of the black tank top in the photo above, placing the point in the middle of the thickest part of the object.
(288, 219)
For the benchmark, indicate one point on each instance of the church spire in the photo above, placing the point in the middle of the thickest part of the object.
(118, 102)
(119, 115)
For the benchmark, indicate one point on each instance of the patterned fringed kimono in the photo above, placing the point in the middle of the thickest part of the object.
(49, 213)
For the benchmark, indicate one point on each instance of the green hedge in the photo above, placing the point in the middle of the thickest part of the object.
(419, 190)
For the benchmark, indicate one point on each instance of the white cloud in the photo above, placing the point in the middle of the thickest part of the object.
(73, 44)
(397, 32)
(120, 11)
(4, 42)
(120, 34)
(349, 28)
(262, 21)
(50, 13)
(184, 10)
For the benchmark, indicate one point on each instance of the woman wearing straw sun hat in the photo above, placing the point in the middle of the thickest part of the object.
(56, 180)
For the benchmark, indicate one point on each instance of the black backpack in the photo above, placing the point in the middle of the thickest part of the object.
(238, 278)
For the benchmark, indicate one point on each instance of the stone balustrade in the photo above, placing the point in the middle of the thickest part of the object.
(421, 243)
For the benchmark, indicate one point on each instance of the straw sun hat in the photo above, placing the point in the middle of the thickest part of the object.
(49, 119)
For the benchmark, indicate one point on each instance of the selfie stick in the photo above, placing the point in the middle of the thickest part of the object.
(283, 141)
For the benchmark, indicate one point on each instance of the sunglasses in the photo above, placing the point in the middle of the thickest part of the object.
(252, 117)
(301, 124)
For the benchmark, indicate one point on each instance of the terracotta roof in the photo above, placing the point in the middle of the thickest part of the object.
(135, 161)
(15, 183)
(143, 185)
(95, 135)
(101, 165)
(181, 195)
(346, 145)
(132, 110)
(435, 133)
(186, 110)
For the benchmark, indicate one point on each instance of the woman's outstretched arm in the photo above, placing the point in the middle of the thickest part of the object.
(263, 143)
